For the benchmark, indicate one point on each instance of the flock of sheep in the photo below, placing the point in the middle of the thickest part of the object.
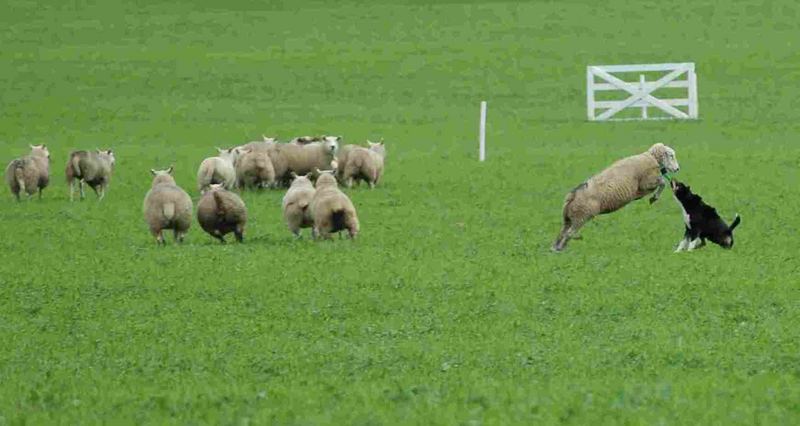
(326, 209)
(220, 211)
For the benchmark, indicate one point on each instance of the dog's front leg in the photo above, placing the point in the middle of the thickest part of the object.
(682, 245)
(696, 243)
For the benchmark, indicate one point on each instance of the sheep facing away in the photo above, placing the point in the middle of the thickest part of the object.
(167, 206)
(331, 210)
(254, 169)
(261, 145)
(218, 169)
(303, 159)
(91, 167)
(296, 204)
(626, 180)
(363, 164)
(30, 173)
(221, 212)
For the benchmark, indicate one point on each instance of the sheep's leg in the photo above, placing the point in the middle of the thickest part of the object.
(179, 235)
(239, 234)
(570, 228)
(80, 183)
(72, 191)
(102, 192)
(657, 194)
(160, 238)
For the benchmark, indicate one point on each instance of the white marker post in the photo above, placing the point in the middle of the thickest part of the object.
(482, 150)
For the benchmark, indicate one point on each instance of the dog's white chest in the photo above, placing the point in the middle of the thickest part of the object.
(683, 212)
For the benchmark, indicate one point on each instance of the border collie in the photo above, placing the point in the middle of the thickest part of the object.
(702, 221)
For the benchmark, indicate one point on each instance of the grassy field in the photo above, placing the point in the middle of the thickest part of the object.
(450, 308)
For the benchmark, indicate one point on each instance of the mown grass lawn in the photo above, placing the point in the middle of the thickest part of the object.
(450, 307)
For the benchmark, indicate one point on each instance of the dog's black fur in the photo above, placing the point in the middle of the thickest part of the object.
(704, 222)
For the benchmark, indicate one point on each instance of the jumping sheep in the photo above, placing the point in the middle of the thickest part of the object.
(167, 206)
(91, 167)
(364, 164)
(296, 204)
(221, 212)
(254, 169)
(331, 209)
(218, 169)
(626, 180)
(30, 173)
(303, 159)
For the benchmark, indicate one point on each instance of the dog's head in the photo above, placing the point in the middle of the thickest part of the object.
(679, 189)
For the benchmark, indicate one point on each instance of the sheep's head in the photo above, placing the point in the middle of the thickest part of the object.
(163, 176)
(331, 144)
(326, 179)
(40, 151)
(230, 154)
(301, 180)
(107, 155)
(665, 157)
(377, 147)
(215, 187)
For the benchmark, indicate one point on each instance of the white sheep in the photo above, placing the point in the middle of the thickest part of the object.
(254, 169)
(167, 206)
(302, 159)
(331, 209)
(221, 212)
(263, 144)
(296, 204)
(30, 173)
(91, 167)
(364, 164)
(626, 180)
(218, 169)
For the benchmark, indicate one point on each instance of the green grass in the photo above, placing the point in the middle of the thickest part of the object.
(450, 308)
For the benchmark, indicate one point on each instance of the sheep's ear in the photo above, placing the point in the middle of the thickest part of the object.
(32, 147)
(319, 172)
(110, 152)
(381, 141)
(153, 172)
(294, 175)
(338, 138)
(170, 169)
(219, 150)
(44, 146)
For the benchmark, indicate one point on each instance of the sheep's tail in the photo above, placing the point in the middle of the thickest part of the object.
(169, 211)
(222, 207)
(73, 167)
(339, 219)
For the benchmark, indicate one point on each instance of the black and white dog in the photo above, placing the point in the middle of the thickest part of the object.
(702, 221)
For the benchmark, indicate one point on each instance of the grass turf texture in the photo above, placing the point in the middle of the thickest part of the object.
(450, 308)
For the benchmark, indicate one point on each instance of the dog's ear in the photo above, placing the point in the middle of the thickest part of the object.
(735, 223)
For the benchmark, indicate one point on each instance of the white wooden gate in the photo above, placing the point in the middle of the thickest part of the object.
(641, 92)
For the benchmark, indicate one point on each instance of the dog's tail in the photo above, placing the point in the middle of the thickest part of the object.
(735, 223)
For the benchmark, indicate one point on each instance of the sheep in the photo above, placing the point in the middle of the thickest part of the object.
(305, 140)
(261, 145)
(331, 210)
(91, 167)
(218, 169)
(624, 181)
(221, 212)
(167, 206)
(296, 204)
(30, 173)
(364, 164)
(303, 159)
(254, 169)
(341, 160)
